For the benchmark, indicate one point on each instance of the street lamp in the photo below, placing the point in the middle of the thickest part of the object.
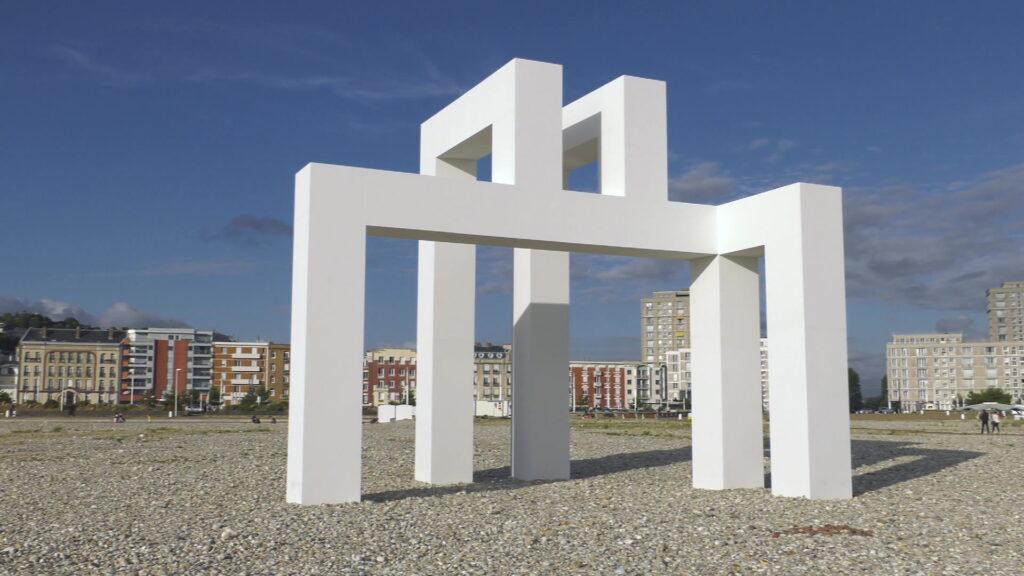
(177, 372)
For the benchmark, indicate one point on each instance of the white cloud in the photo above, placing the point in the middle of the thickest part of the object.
(119, 314)
(188, 268)
(620, 278)
(122, 314)
(347, 87)
(936, 247)
(702, 183)
(53, 309)
(104, 73)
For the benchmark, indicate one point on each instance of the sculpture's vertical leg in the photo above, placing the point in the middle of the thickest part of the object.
(328, 277)
(515, 116)
(444, 337)
(540, 363)
(809, 400)
(727, 426)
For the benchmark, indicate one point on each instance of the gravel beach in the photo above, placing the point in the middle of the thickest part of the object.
(205, 496)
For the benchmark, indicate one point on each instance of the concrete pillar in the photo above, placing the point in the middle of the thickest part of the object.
(445, 311)
(806, 306)
(328, 285)
(540, 360)
(725, 323)
(444, 338)
(514, 115)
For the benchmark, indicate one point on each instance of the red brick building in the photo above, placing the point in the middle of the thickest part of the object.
(389, 375)
(601, 384)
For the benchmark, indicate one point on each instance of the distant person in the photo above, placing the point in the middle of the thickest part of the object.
(996, 419)
(983, 416)
(255, 419)
(273, 420)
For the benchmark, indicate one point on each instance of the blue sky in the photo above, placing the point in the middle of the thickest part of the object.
(147, 150)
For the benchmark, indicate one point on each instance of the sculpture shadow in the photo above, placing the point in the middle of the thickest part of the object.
(494, 479)
(928, 461)
(870, 452)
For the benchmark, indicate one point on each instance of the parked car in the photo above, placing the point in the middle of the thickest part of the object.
(865, 411)
(885, 411)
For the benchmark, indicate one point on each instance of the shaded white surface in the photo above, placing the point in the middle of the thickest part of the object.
(726, 350)
(444, 359)
(540, 364)
(801, 230)
(622, 125)
(325, 405)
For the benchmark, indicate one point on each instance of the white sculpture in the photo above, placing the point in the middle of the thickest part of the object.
(516, 115)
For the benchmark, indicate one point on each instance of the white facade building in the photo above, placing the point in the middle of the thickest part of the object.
(938, 371)
(160, 360)
(679, 376)
(1006, 312)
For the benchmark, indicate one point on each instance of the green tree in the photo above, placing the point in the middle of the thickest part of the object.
(192, 397)
(884, 395)
(213, 399)
(253, 398)
(5, 398)
(28, 320)
(856, 400)
(988, 395)
(248, 402)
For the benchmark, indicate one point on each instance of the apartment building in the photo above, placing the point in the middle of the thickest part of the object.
(69, 365)
(664, 324)
(938, 371)
(279, 368)
(9, 375)
(158, 361)
(602, 385)
(648, 388)
(241, 367)
(492, 372)
(1006, 312)
(679, 376)
(389, 375)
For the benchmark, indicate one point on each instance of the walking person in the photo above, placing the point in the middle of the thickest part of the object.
(996, 419)
(983, 416)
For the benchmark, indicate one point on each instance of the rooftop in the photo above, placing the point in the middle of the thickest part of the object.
(78, 335)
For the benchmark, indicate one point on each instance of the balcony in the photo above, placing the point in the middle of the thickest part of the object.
(244, 382)
(246, 356)
(245, 369)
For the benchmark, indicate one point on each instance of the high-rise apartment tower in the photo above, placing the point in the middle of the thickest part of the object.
(664, 324)
(1006, 312)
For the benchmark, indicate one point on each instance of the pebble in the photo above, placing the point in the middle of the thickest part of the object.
(208, 497)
